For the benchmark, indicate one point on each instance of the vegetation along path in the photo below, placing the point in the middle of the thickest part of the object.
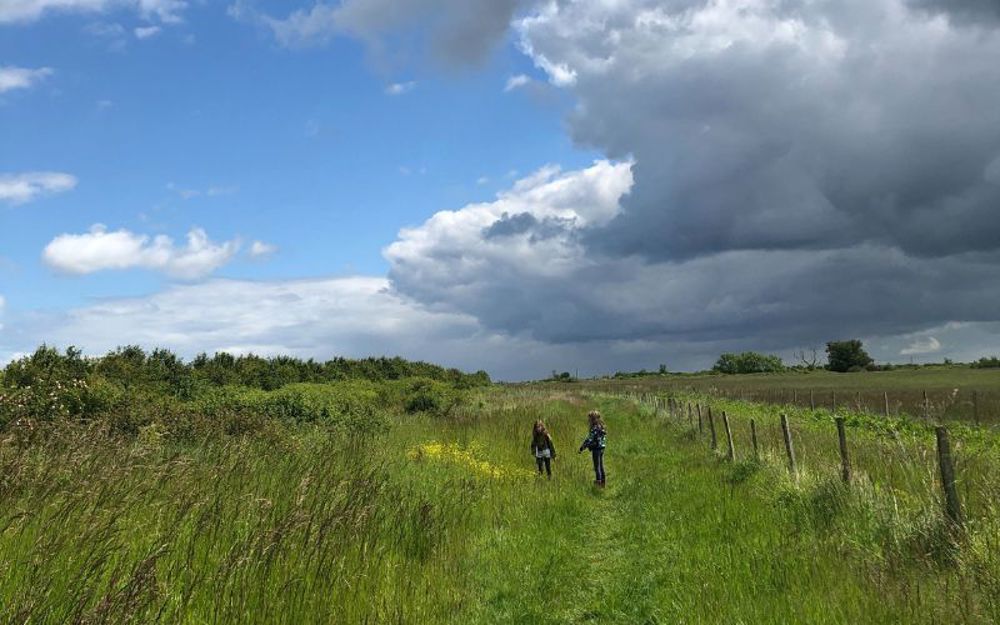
(440, 519)
(673, 539)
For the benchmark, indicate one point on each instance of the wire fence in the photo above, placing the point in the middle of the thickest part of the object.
(959, 478)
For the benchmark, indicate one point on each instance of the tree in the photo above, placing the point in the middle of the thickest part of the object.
(809, 362)
(748, 362)
(847, 356)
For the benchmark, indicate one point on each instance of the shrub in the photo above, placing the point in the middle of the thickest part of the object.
(423, 395)
(748, 362)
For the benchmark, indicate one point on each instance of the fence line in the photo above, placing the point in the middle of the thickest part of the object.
(951, 503)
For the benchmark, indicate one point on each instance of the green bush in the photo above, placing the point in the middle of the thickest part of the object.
(424, 395)
(748, 362)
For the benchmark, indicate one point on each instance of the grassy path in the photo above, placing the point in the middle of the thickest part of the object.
(669, 541)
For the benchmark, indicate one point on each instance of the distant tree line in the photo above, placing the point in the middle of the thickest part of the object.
(130, 388)
(987, 363)
(132, 366)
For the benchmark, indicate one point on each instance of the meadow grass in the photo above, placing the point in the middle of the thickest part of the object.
(441, 520)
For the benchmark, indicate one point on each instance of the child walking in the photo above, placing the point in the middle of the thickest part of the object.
(542, 448)
(596, 441)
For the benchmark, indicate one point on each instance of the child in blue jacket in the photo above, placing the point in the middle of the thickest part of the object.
(596, 441)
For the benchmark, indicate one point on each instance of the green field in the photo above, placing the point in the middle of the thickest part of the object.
(438, 518)
(956, 392)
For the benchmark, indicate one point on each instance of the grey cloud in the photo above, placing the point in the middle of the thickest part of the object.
(459, 32)
(522, 223)
(962, 10)
(844, 133)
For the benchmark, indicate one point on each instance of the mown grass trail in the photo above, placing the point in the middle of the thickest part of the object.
(674, 540)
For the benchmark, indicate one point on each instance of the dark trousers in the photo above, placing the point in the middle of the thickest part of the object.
(598, 456)
(547, 463)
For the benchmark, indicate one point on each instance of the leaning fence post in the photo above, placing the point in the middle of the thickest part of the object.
(952, 506)
(787, 435)
(753, 438)
(731, 453)
(845, 462)
(711, 428)
(700, 426)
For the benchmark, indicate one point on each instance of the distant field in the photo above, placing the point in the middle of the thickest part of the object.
(952, 393)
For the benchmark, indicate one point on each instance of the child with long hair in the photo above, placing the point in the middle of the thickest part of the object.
(596, 441)
(542, 448)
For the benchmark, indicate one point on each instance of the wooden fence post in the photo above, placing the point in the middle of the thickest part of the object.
(700, 426)
(845, 462)
(711, 429)
(833, 401)
(812, 400)
(753, 439)
(927, 411)
(885, 401)
(795, 397)
(690, 421)
(731, 453)
(789, 450)
(952, 507)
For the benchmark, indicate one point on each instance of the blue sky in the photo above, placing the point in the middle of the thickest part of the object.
(516, 185)
(210, 123)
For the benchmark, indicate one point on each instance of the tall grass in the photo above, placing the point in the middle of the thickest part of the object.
(310, 523)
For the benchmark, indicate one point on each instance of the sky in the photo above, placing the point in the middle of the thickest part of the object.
(515, 185)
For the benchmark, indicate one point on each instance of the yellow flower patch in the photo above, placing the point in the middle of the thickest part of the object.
(453, 453)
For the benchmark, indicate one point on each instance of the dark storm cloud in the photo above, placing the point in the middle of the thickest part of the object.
(963, 10)
(825, 139)
(802, 171)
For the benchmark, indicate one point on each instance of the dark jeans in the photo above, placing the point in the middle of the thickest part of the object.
(598, 455)
(547, 462)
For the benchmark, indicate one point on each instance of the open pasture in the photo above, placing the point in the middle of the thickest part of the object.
(929, 393)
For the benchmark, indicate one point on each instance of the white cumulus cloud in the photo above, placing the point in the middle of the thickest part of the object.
(923, 345)
(12, 77)
(101, 249)
(27, 186)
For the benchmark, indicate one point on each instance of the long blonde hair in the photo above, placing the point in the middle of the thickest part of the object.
(596, 421)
